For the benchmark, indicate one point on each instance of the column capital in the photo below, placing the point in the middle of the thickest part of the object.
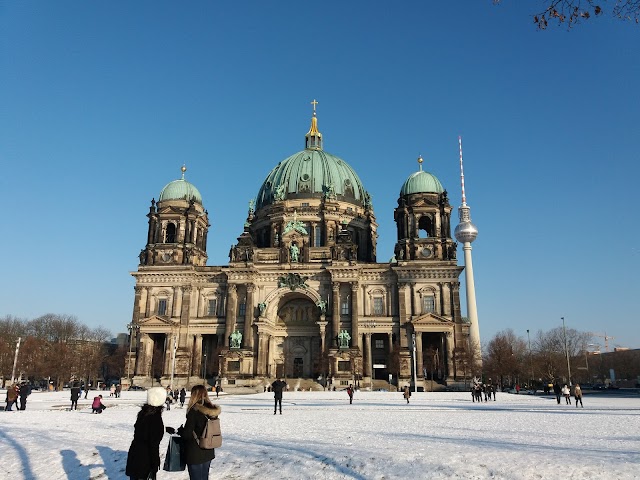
(354, 286)
(250, 287)
(335, 286)
(232, 288)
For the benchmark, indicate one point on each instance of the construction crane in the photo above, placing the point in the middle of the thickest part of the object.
(606, 339)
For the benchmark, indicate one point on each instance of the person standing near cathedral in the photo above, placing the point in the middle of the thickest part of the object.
(25, 391)
(75, 395)
(350, 393)
(278, 386)
(577, 393)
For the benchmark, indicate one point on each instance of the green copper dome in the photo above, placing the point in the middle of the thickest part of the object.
(180, 190)
(312, 173)
(421, 182)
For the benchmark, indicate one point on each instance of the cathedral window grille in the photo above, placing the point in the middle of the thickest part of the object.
(170, 236)
(317, 237)
(379, 344)
(213, 305)
(378, 306)
(162, 306)
(428, 304)
(242, 309)
(305, 204)
(344, 310)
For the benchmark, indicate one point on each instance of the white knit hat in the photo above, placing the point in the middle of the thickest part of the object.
(156, 396)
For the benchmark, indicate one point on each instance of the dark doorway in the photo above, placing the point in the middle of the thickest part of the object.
(298, 364)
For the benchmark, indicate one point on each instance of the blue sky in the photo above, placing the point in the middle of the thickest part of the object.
(103, 102)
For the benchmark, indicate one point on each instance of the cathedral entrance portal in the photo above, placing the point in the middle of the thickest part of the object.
(301, 348)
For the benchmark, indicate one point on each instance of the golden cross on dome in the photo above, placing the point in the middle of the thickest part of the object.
(314, 103)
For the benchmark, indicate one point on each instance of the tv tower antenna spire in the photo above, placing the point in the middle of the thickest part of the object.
(466, 232)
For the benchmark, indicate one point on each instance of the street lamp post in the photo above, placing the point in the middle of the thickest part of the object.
(566, 349)
(530, 360)
(131, 327)
(415, 374)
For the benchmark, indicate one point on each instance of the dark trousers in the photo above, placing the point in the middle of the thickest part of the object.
(579, 399)
(278, 402)
(199, 471)
(558, 398)
(10, 404)
(74, 404)
(23, 403)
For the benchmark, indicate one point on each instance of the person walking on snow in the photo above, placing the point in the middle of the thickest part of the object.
(406, 393)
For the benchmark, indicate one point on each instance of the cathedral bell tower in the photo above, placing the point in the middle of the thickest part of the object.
(178, 227)
(423, 219)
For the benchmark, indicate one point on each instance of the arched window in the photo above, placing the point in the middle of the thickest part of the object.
(425, 227)
(170, 236)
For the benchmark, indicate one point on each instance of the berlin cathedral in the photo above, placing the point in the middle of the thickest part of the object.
(303, 295)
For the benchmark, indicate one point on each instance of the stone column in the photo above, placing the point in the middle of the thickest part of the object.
(419, 359)
(335, 316)
(355, 332)
(196, 363)
(135, 317)
(141, 357)
(402, 304)
(262, 347)
(248, 319)
(232, 297)
(390, 335)
(448, 340)
(147, 307)
(368, 370)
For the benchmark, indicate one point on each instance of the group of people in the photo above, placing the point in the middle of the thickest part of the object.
(143, 459)
(115, 390)
(174, 396)
(565, 392)
(17, 391)
(479, 389)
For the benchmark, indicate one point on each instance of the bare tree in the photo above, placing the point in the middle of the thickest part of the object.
(505, 357)
(572, 12)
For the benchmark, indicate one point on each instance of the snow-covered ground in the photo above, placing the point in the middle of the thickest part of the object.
(436, 436)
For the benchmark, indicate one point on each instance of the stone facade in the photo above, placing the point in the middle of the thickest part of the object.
(302, 295)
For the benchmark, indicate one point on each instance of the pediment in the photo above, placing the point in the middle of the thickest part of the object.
(156, 321)
(431, 319)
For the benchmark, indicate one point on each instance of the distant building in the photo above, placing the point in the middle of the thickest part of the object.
(303, 294)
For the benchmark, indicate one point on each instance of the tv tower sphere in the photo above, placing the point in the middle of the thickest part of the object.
(466, 232)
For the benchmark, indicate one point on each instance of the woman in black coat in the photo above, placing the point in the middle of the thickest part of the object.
(200, 409)
(143, 460)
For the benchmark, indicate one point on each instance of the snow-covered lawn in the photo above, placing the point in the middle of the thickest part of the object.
(319, 435)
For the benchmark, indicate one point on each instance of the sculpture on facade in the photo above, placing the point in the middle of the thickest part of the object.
(322, 305)
(236, 339)
(262, 308)
(280, 193)
(343, 339)
(294, 251)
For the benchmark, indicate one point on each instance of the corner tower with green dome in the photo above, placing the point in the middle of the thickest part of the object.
(423, 219)
(178, 226)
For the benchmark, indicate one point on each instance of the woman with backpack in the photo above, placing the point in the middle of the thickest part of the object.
(199, 410)
(143, 460)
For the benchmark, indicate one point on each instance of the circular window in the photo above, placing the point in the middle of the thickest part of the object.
(305, 177)
(347, 182)
(426, 252)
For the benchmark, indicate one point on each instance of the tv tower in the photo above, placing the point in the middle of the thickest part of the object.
(466, 232)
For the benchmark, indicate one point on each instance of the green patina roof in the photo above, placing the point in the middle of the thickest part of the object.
(180, 190)
(308, 174)
(421, 182)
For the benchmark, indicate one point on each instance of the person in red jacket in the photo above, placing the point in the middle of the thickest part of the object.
(97, 406)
